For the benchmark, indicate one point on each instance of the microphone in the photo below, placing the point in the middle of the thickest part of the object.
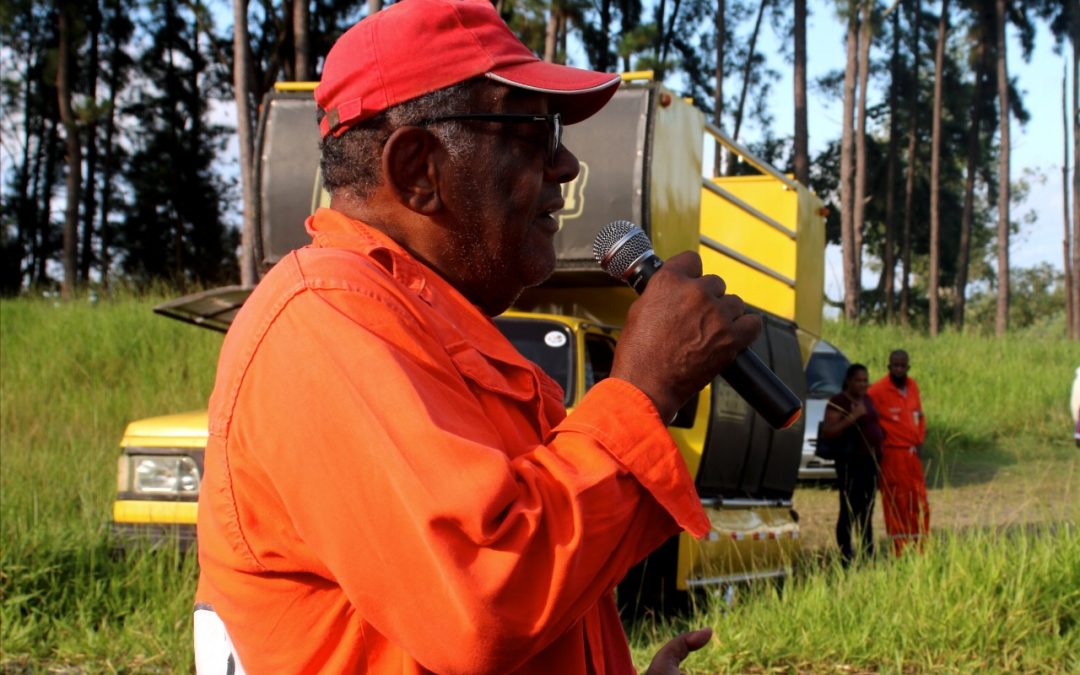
(626, 253)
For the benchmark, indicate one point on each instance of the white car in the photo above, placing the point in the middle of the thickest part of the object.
(824, 379)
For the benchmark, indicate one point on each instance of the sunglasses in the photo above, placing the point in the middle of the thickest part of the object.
(553, 122)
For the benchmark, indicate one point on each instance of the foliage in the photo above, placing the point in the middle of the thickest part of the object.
(159, 204)
(75, 373)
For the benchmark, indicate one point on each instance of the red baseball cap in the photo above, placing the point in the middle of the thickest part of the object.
(415, 47)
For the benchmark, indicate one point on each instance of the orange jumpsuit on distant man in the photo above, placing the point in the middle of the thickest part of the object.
(901, 479)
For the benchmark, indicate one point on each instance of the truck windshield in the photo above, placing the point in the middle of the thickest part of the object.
(548, 344)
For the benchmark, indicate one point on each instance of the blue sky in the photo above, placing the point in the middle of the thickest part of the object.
(1035, 146)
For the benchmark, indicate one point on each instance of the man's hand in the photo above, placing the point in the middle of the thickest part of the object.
(667, 660)
(681, 333)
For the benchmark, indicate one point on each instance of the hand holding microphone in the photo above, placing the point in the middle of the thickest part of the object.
(686, 330)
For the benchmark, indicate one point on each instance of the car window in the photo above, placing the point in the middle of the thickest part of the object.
(548, 344)
(825, 375)
(599, 356)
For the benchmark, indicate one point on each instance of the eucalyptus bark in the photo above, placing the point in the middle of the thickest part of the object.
(858, 222)
(909, 183)
(802, 135)
(1001, 323)
(888, 254)
(108, 163)
(963, 259)
(605, 21)
(1065, 244)
(1076, 172)
(847, 241)
(747, 67)
(551, 34)
(74, 153)
(241, 90)
(86, 256)
(302, 41)
(718, 100)
(935, 169)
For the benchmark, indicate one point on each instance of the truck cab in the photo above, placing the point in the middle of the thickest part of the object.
(641, 160)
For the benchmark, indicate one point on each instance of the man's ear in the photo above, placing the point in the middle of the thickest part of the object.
(411, 168)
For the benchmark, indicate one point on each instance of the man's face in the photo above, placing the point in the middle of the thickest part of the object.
(501, 198)
(898, 368)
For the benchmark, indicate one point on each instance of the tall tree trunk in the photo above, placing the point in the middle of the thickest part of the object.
(747, 66)
(374, 6)
(858, 218)
(74, 153)
(37, 178)
(802, 136)
(551, 35)
(963, 258)
(1065, 244)
(44, 210)
(909, 183)
(669, 32)
(564, 31)
(301, 40)
(108, 168)
(90, 191)
(605, 24)
(659, 17)
(1076, 173)
(888, 254)
(847, 238)
(1001, 323)
(25, 213)
(718, 100)
(241, 89)
(935, 169)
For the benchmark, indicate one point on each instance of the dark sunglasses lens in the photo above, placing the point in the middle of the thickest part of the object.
(555, 130)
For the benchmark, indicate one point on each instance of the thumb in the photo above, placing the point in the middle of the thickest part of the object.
(668, 658)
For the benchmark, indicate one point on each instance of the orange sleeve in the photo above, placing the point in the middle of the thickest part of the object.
(470, 555)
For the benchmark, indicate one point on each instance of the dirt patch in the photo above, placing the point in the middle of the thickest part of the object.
(1019, 494)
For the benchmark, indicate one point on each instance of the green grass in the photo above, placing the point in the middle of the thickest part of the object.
(71, 376)
(990, 598)
(981, 602)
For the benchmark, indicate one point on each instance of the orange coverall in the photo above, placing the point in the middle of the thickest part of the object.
(901, 481)
(392, 488)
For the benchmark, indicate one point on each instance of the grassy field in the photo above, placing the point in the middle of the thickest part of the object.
(1000, 592)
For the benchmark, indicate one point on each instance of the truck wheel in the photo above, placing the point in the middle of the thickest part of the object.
(649, 586)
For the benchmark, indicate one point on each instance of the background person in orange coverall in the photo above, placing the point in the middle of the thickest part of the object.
(390, 486)
(902, 483)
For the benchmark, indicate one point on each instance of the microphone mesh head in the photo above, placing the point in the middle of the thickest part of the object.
(615, 251)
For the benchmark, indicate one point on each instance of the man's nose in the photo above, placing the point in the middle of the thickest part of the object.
(565, 168)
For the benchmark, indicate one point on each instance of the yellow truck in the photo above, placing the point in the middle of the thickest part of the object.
(641, 160)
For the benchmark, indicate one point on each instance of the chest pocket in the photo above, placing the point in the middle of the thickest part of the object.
(508, 393)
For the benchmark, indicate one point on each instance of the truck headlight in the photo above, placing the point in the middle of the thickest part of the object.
(164, 475)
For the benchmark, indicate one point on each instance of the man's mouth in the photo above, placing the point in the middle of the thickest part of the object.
(549, 217)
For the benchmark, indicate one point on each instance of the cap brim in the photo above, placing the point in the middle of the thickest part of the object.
(576, 94)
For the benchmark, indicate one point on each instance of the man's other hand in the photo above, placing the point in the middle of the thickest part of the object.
(668, 658)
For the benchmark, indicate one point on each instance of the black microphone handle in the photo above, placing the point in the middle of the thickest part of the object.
(748, 375)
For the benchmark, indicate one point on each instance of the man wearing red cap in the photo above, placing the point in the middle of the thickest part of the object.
(901, 479)
(389, 486)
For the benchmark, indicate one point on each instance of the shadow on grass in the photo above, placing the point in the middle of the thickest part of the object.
(953, 458)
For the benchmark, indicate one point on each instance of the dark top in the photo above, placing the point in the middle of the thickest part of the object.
(868, 424)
